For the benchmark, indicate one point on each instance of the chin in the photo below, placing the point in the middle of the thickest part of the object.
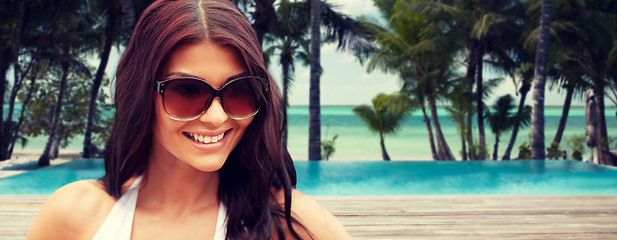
(209, 163)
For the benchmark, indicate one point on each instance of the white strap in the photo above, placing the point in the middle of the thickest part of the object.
(221, 223)
(119, 222)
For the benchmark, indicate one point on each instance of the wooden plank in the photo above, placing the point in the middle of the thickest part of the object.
(424, 217)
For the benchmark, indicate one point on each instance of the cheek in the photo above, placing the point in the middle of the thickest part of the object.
(162, 124)
(244, 124)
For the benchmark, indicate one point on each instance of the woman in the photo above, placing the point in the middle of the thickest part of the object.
(195, 152)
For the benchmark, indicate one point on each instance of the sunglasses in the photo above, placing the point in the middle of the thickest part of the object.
(186, 98)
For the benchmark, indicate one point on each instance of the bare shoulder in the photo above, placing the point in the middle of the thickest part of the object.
(314, 218)
(72, 212)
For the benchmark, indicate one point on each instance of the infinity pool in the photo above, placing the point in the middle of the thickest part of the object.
(353, 178)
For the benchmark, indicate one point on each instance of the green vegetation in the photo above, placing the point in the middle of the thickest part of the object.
(524, 151)
(439, 50)
(45, 44)
(502, 120)
(577, 146)
(327, 147)
(385, 116)
(283, 29)
(426, 43)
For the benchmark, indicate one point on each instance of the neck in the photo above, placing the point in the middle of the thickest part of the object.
(179, 187)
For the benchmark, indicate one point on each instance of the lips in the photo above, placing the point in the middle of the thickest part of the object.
(204, 139)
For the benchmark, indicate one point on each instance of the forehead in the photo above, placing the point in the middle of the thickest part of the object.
(212, 62)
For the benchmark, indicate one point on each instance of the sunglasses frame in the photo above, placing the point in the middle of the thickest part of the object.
(161, 85)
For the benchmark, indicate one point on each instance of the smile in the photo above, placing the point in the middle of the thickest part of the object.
(204, 139)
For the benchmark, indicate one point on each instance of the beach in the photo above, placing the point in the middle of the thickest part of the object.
(31, 156)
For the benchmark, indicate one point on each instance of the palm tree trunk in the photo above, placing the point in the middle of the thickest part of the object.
(55, 147)
(539, 83)
(442, 145)
(471, 73)
(431, 140)
(604, 155)
(44, 159)
(10, 124)
(384, 153)
(479, 101)
(521, 105)
(33, 76)
(495, 148)
(8, 56)
(469, 137)
(314, 151)
(284, 102)
(564, 114)
(463, 145)
(110, 33)
(5, 62)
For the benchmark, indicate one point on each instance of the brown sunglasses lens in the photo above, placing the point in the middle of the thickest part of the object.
(239, 99)
(189, 98)
(186, 98)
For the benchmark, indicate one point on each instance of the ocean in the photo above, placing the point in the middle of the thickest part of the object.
(356, 142)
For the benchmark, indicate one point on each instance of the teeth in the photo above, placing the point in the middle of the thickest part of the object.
(205, 139)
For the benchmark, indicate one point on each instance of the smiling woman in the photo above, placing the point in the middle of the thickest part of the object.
(196, 149)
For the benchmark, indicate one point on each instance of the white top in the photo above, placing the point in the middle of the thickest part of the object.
(119, 222)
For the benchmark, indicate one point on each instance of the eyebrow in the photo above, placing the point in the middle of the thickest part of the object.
(182, 74)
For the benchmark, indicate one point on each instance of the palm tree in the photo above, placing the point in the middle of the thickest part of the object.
(416, 95)
(385, 116)
(20, 39)
(501, 119)
(288, 41)
(70, 40)
(420, 53)
(349, 34)
(525, 80)
(26, 41)
(110, 36)
(596, 33)
(539, 82)
(314, 151)
(461, 107)
(432, 85)
(482, 26)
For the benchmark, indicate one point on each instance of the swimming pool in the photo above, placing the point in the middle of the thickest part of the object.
(356, 178)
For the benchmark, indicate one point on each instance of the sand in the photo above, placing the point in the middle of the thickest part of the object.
(23, 156)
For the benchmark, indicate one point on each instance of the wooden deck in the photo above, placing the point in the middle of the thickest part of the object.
(425, 217)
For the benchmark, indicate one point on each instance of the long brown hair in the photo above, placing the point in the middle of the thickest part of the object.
(258, 164)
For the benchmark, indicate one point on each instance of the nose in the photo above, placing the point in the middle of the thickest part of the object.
(215, 114)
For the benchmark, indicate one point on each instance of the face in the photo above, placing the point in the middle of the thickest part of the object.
(205, 142)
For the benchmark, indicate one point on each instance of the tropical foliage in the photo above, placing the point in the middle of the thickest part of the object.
(577, 146)
(502, 36)
(502, 119)
(327, 147)
(385, 116)
(46, 46)
(440, 50)
(419, 51)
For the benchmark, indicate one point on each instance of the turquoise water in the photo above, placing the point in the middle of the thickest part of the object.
(356, 142)
(353, 178)
(520, 177)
